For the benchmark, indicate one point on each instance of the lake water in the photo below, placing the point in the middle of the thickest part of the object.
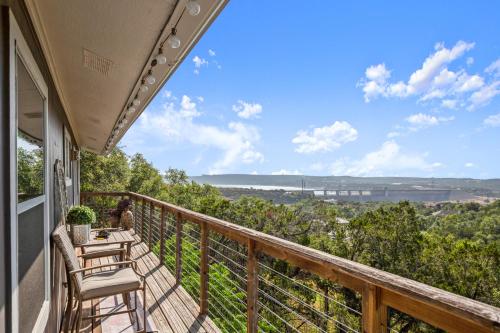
(266, 187)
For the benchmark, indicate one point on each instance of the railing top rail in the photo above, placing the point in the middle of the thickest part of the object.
(347, 273)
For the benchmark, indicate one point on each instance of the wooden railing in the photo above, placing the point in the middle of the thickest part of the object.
(379, 290)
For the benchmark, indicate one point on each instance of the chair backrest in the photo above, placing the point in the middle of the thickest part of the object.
(63, 243)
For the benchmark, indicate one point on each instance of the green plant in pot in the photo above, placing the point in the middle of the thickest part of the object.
(80, 218)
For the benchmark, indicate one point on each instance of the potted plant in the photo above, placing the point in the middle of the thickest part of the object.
(80, 218)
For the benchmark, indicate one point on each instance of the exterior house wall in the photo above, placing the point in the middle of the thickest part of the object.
(57, 121)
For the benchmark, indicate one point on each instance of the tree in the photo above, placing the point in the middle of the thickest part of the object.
(176, 177)
(144, 178)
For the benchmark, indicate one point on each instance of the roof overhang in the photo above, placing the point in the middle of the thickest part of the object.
(99, 51)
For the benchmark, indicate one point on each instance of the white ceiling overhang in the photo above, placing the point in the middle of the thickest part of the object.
(98, 52)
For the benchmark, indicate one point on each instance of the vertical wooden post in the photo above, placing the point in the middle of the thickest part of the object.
(143, 216)
(204, 269)
(373, 311)
(252, 288)
(178, 248)
(162, 235)
(151, 221)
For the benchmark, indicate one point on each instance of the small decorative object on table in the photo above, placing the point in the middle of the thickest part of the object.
(80, 218)
(102, 234)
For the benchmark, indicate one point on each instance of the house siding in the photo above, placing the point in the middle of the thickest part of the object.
(57, 121)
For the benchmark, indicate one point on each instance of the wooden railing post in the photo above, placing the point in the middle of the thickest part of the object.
(252, 288)
(150, 229)
(373, 311)
(204, 269)
(162, 235)
(178, 248)
(143, 216)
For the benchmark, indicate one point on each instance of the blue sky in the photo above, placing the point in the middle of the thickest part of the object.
(334, 88)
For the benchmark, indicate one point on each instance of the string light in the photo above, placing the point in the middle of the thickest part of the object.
(193, 7)
(160, 58)
(173, 40)
(144, 87)
(150, 79)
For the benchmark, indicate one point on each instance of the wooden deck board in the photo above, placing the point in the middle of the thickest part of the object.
(166, 291)
(169, 305)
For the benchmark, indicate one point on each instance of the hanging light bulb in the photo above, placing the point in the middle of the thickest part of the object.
(160, 58)
(120, 125)
(193, 7)
(136, 101)
(150, 79)
(124, 120)
(130, 110)
(144, 87)
(173, 41)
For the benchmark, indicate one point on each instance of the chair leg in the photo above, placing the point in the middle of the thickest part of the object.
(79, 322)
(144, 307)
(75, 319)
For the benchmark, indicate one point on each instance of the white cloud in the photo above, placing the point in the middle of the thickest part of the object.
(377, 73)
(283, 172)
(469, 165)
(494, 68)
(484, 95)
(325, 138)
(388, 160)
(247, 110)
(254, 172)
(449, 103)
(421, 120)
(421, 79)
(198, 62)
(393, 134)
(434, 81)
(173, 123)
(469, 61)
(492, 121)
(211, 52)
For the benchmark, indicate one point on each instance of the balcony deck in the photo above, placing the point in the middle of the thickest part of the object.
(170, 308)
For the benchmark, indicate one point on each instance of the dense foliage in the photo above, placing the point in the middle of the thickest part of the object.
(451, 246)
(81, 215)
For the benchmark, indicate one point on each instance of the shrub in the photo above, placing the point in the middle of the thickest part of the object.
(81, 215)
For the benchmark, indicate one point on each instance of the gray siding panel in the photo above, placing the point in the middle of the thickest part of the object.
(55, 141)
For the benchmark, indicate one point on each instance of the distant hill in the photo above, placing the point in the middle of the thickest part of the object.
(485, 187)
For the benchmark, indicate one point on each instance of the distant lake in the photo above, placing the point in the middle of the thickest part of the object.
(265, 187)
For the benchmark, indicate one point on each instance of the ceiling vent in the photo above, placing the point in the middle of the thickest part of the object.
(96, 63)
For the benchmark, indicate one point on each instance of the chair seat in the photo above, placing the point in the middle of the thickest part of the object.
(100, 251)
(109, 282)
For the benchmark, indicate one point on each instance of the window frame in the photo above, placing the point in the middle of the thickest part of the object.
(19, 48)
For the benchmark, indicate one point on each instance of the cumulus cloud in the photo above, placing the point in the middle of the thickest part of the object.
(492, 121)
(247, 110)
(211, 52)
(180, 123)
(326, 138)
(422, 120)
(435, 81)
(388, 160)
(469, 165)
(283, 172)
(449, 103)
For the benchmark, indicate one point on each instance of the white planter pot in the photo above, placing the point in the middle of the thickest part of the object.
(80, 233)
